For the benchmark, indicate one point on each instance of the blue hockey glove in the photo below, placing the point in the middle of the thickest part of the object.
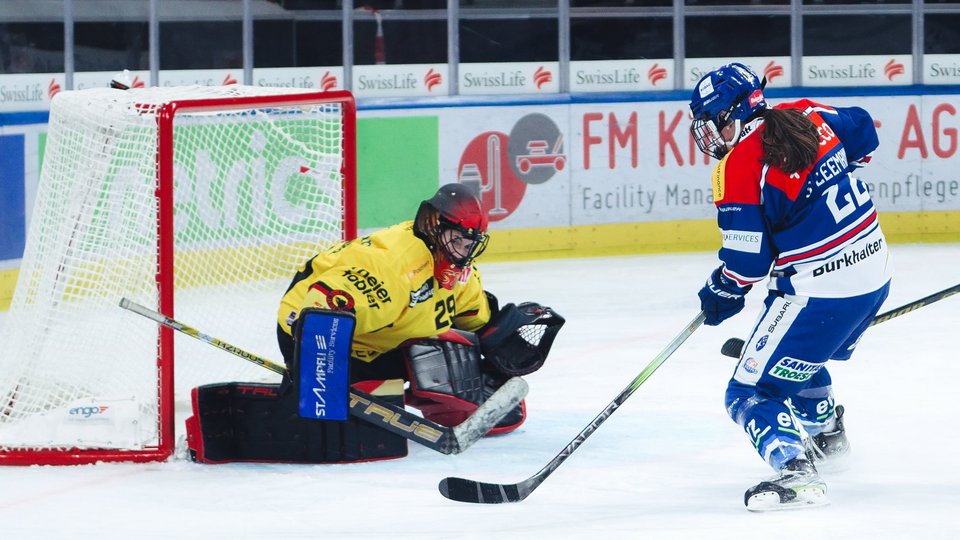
(721, 298)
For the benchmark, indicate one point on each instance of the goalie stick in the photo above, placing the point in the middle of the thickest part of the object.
(367, 407)
(471, 491)
(733, 347)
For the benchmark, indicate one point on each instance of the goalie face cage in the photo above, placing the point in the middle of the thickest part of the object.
(201, 202)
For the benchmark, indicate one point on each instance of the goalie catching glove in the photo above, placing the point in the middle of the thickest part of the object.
(517, 340)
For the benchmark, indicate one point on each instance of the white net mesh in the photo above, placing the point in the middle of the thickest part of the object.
(256, 193)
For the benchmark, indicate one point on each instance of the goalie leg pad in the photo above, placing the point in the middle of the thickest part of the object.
(445, 380)
(245, 422)
(447, 383)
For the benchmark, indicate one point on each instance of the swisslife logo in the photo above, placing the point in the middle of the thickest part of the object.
(53, 88)
(621, 75)
(776, 69)
(893, 68)
(873, 70)
(328, 81)
(509, 78)
(941, 69)
(656, 74)
(322, 78)
(389, 80)
(432, 79)
(772, 71)
(541, 77)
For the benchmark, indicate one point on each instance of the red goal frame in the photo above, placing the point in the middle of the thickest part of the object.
(165, 262)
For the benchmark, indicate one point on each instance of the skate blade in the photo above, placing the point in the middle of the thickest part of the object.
(770, 501)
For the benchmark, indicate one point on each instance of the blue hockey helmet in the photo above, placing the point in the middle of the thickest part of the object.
(731, 94)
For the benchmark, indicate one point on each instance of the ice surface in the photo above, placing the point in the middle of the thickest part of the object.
(668, 464)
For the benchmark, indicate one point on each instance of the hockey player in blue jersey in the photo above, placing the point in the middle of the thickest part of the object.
(790, 211)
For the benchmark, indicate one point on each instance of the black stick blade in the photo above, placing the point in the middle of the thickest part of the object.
(471, 491)
(732, 348)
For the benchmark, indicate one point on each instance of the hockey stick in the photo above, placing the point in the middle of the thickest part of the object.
(471, 491)
(733, 347)
(397, 420)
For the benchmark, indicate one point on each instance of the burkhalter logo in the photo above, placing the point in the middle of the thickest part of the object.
(431, 79)
(656, 74)
(892, 68)
(328, 81)
(772, 70)
(542, 76)
(501, 166)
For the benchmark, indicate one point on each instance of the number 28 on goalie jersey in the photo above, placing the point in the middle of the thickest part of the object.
(815, 232)
(387, 280)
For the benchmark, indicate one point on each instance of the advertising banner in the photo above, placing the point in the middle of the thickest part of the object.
(776, 69)
(314, 78)
(621, 75)
(28, 92)
(12, 203)
(582, 165)
(497, 78)
(400, 80)
(941, 69)
(877, 70)
(596, 163)
(517, 158)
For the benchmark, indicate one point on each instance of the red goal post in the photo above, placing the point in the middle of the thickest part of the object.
(200, 202)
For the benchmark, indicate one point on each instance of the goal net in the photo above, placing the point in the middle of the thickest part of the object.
(198, 202)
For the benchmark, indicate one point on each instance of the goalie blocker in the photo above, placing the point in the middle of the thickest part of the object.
(448, 377)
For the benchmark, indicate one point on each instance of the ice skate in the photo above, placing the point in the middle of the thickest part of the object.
(829, 448)
(797, 486)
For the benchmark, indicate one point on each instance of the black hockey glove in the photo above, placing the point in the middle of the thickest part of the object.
(721, 298)
(518, 339)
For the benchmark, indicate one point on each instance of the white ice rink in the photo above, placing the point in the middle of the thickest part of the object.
(668, 464)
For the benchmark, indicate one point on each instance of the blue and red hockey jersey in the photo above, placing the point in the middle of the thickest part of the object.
(815, 232)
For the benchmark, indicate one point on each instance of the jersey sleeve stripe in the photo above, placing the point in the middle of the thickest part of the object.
(742, 281)
(857, 223)
(836, 241)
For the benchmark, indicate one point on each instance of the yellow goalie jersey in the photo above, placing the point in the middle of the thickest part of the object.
(387, 280)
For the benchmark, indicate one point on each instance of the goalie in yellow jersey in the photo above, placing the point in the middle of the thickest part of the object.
(421, 316)
(412, 280)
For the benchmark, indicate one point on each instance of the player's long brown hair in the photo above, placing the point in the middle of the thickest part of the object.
(790, 140)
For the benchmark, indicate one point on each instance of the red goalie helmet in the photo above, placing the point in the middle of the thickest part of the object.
(453, 225)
